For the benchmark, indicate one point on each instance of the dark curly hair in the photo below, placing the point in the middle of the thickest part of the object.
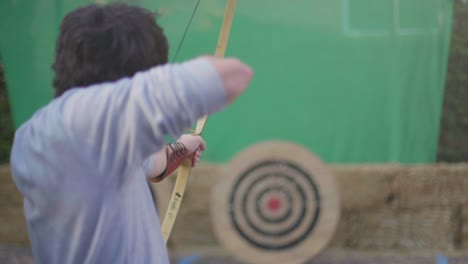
(105, 43)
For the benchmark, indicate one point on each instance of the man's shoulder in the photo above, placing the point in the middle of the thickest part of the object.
(46, 121)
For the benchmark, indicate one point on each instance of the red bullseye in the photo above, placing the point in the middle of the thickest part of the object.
(274, 203)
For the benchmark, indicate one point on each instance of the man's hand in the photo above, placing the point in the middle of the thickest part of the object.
(235, 75)
(194, 145)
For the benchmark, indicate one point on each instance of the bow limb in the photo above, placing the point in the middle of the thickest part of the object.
(185, 168)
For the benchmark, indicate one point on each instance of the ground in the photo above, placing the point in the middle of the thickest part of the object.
(21, 255)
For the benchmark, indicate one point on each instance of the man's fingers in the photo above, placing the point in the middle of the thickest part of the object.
(196, 157)
(195, 161)
(202, 144)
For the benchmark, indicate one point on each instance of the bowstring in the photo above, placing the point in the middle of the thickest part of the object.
(186, 30)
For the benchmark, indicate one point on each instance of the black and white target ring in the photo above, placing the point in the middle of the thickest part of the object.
(277, 202)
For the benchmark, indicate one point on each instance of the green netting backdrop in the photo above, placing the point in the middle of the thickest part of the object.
(355, 81)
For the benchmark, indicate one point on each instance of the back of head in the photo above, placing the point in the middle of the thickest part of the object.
(105, 43)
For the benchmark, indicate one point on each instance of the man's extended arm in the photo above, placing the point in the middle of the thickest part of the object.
(126, 121)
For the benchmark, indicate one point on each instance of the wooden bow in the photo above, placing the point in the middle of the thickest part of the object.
(185, 168)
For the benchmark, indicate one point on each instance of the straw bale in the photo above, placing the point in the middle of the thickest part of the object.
(433, 185)
(13, 229)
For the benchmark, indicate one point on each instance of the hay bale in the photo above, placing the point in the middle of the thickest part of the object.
(368, 230)
(423, 229)
(390, 206)
(193, 224)
(13, 230)
(367, 187)
(463, 236)
(427, 229)
(433, 185)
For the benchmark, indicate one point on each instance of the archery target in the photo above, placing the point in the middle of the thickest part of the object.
(276, 203)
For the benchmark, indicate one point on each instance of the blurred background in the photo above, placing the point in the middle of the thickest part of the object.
(377, 89)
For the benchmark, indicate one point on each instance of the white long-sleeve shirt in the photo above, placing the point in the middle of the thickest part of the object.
(78, 163)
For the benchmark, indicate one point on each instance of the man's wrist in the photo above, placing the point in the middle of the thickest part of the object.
(176, 154)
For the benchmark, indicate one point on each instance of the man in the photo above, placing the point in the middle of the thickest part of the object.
(99, 44)
(78, 160)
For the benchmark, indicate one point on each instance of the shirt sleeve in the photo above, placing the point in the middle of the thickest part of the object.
(148, 165)
(122, 123)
